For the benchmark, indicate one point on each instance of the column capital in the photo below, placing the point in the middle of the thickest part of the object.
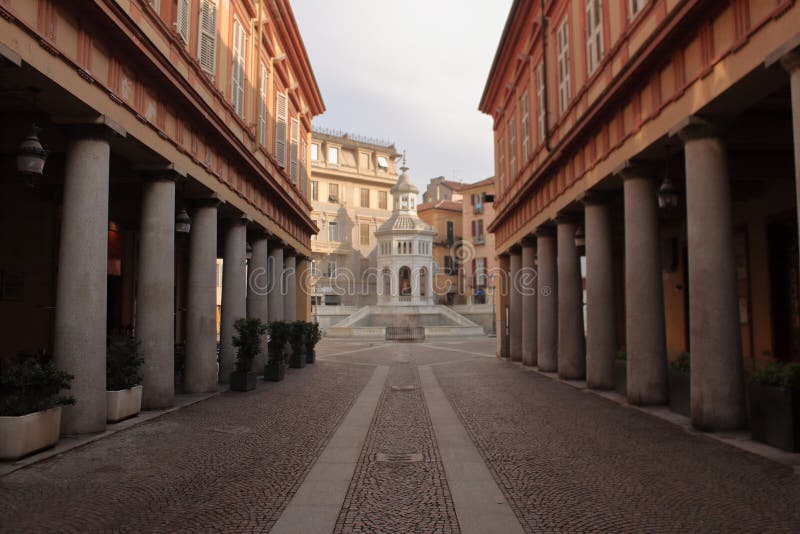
(529, 241)
(788, 54)
(595, 198)
(791, 61)
(161, 172)
(94, 127)
(567, 217)
(289, 252)
(630, 169)
(515, 249)
(545, 231)
(694, 127)
(212, 201)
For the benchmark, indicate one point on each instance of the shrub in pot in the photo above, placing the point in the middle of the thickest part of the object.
(621, 372)
(774, 402)
(248, 339)
(30, 404)
(313, 336)
(297, 340)
(278, 350)
(123, 381)
(680, 385)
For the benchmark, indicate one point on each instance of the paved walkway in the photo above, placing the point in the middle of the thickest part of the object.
(434, 437)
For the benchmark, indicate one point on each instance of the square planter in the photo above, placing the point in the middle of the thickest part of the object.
(297, 361)
(274, 373)
(775, 416)
(311, 356)
(243, 381)
(25, 434)
(680, 393)
(621, 377)
(123, 404)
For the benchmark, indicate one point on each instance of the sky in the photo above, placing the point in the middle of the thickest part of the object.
(410, 71)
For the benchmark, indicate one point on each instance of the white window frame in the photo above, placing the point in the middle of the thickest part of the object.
(303, 166)
(331, 268)
(564, 82)
(294, 147)
(333, 155)
(182, 20)
(238, 62)
(207, 35)
(281, 111)
(594, 34)
(635, 7)
(540, 110)
(314, 152)
(333, 231)
(501, 162)
(383, 163)
(526, 126)
(512, 150)
(314, 189)
(262, 104)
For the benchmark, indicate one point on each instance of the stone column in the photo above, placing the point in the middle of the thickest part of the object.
(275, 296)
(644, 293)
(234, 292)
(546, 301)
(257, 285)
(601, 325)
(715, 337)
(571, 340)
(79, 343)
(155, 303)
(791, 62)
(201, 314)
(290, 286)
(501, 291)
(515, 311)
(528, 288)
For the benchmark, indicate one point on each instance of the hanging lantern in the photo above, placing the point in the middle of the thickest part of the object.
(580, 237)
(31, 157)
(668, 197)
(248, 251)
(183, 223)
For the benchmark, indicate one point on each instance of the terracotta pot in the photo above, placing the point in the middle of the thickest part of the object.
(123, 404)
(25, 434)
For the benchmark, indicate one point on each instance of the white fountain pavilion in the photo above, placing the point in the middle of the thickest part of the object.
(406, 308)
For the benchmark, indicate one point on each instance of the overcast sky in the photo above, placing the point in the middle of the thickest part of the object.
(411, 72)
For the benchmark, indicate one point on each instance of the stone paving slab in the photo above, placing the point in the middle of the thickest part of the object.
(573, 462)
(231, 463)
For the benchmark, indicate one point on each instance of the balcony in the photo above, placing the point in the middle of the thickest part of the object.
(479, 240)
(477, 209)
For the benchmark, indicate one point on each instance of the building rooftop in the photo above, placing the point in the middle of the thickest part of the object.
(440, 204)
(353, 139)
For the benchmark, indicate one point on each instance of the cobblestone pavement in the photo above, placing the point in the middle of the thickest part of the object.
(399, 496)
(573, 462)
(230, 463)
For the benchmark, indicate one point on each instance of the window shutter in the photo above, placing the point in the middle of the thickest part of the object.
(207, 47)
(262, 105)
(280, 129)
(182, 21)
(303, 166)
(237, 68)
(295, 134)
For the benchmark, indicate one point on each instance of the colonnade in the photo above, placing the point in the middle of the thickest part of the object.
(268, 292)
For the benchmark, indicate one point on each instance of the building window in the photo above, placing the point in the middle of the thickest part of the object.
(501, 163)
(333, 156)
(314, 152)
(364, 197)
(477, 203)
(314, 268)
(331, 269)
(316, 223)
(594, 34)
(383, 200)
(303, 166)
(281, 114)
(383, 163)
(449, 265)
(262, 105)
(512, 149)
(207, 36)
(477, 232)
(450, 233)
(294, 147)
(540, 111)
(333, 192)
(525, 124)
(314, 190)
(182, 20)
(363, 231)
(564, 88)
(480, 272)
(237, 67)
(634, 7)
(333, 231)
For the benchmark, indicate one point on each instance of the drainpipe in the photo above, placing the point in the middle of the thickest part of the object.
(543, 36)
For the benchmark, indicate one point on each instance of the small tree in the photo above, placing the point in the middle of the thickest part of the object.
(249, 336)
(279, 334)
(298, 337)
(31, 383)
(313, 335)
(123, 361)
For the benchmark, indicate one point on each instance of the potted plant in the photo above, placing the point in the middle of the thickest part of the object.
(30, 404)
(297, 360)
(313, 336)
(774, 398)
(680, 385)
(248, 338)
(123, 382)
(621, 372)
(278, 350)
